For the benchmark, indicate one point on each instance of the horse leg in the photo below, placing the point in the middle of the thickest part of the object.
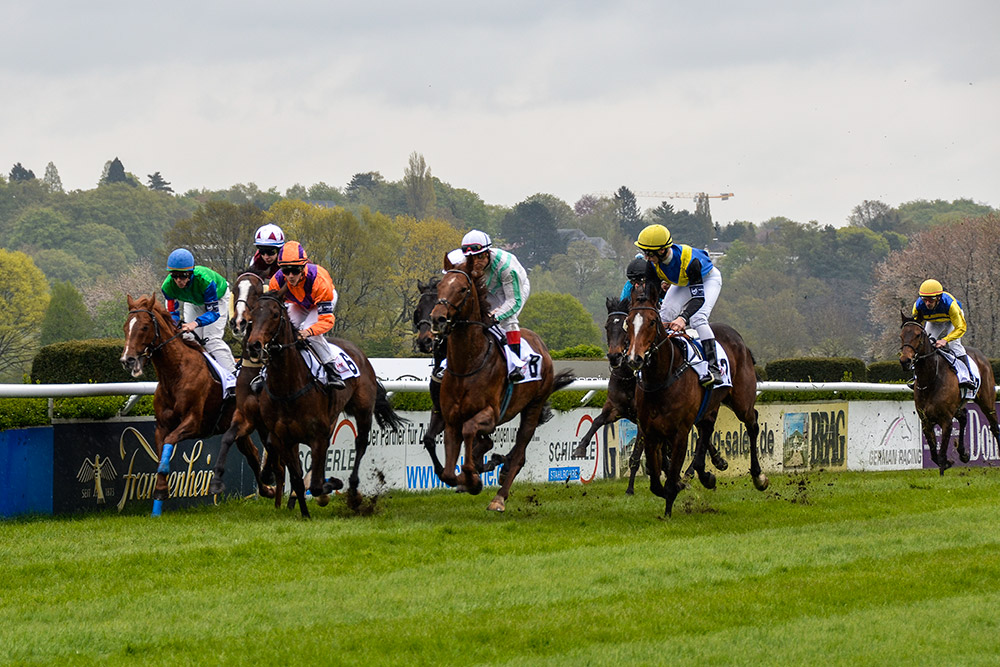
(481, 422)
(760, 480)
(161, 490)
(364, 422)
(705, 429)
(943, 461)
(609, 413)
(963, 418)
(634, 461)
(434, 428)
(249, 451)
(452, 445)
(290, 457)
(672, 485)
(530, 417)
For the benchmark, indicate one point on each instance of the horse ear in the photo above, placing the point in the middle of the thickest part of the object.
(421, 287)
(129, 301)
(610, 303)
(448, 266)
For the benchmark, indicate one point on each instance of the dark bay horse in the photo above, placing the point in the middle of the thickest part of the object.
(247, 288)
(936, 394)
(188, 400)
(621, 395)
(670, 400)
(296, 408)
(475, 396)
(426, 342)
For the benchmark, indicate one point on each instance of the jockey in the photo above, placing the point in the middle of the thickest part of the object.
(267, 242)
(635, 273)
(508, 287)
(944, 320)
(204, 294)
(694, 286)
(310, 300)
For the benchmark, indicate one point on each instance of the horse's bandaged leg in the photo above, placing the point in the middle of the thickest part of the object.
(164, 467)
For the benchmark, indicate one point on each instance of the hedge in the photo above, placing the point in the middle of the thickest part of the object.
(82, 361)
(817, 369)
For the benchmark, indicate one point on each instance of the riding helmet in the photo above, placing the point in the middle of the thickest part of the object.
(269, 235)
(930, 287)
(292, 254)
(475, 242)
(653, 237)
(180, 259)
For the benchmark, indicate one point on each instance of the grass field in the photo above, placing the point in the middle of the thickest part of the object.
(847, 568)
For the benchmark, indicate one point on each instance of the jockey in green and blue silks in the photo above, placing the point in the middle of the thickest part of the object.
(942, 317)
(508, 286)
(198, 295)
(693, 288)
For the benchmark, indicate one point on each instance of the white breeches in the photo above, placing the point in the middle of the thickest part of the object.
(212, 333)
(941, 329)
(677, 298)
(303, 319)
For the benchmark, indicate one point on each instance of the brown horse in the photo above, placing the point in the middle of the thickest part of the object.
(936, 393)
(296, 408)
(621, 395)
(670, 400)
(475, 394)
(247, 288)
(188, 400)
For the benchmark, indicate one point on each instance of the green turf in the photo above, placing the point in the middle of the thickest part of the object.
(821, 568)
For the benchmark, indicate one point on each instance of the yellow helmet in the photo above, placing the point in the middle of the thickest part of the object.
(930, 287)
(653, 237)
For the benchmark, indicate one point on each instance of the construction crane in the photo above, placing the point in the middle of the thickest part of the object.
(700, 199)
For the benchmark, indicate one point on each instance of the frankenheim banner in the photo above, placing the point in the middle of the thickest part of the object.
(77, 466)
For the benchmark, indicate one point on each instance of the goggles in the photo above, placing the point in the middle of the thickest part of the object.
(181, 275)
(267, 250)
(473, 248)
(292, 270)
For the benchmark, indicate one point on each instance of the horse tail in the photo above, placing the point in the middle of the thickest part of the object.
(562, 380)
(384, 414)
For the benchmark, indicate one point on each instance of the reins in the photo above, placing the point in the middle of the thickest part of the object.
(663, 337)
(271, 347)
(452, 321)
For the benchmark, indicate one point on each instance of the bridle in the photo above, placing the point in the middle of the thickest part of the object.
(621, 322)
(923, 339)
(150, 350)
(272, 347)
(663, 337)
(452, 320)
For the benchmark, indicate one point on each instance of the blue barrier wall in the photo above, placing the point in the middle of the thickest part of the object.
(26, 471)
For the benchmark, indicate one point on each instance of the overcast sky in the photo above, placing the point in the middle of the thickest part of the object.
(801, 109)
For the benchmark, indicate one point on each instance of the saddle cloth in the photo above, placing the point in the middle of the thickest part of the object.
(341, 360)
(963, 373)
(227, 379)
(531, 361)
(696, 357)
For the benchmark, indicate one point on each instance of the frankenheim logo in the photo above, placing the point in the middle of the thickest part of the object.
(97, 471)
(190, 482)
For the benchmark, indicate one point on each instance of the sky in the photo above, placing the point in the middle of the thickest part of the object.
(801, 109)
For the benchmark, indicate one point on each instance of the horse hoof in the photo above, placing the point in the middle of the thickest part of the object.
(579, 452)
(963, 455)
(761, 482)
(460, 488)
(629, 492)
(496, 505)
(333, 484)
(161, 494)
(267, 492)
(216, 486)
(707, 480)
(322, 500)
(720, 463)
(944, 465)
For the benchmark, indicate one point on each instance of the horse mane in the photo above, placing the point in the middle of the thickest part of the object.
(484, 305)
(615, 304)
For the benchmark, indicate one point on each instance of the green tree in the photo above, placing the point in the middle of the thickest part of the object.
(423, 245)
(420, 196)
(323, 192)
(116, 174)
(157, 183)
(629, 215)
(24, 296)
(529, 229)
(19, 173)
(220, 235)
(560, 320)
(51, 180)
(563, 214)
(66, 318)
(60, 265)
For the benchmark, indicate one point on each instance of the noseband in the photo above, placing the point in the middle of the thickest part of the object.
(452, 320)
(150, 350)
(922, 339)
(283, 323)
(663, 337)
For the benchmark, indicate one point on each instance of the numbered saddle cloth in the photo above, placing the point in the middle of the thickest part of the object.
(696, 357)
(531, 361)
(341, 360)
(227, 379)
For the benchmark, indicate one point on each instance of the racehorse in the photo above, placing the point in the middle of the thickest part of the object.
(475, 394)
(246, 419)
(188, 401)
(296, 408)
(428, 343)
(670, 400)
(936, 393)
(621, 394)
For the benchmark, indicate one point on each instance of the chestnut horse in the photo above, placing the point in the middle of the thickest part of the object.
(670, 400)
(475, 395)
(296, 408)
(188, 400)
(936, 393)
(621, 395)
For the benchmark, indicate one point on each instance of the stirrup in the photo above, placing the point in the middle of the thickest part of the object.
(516, 375)
(437, 374)
(257, 384)
(712, 378)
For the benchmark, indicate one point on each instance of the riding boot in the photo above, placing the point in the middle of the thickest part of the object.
(713, 376)
(516, 375)
(970, 383)
(257, 384)
(437, 373)
(333, 379)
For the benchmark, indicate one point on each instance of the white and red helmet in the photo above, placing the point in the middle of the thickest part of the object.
(269, 236)
(475, 242)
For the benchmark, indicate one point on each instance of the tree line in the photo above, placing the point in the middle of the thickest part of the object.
(791, 288)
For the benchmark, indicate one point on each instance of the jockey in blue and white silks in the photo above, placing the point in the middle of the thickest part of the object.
(508, 286)
(693, 288)
(200, 295)
(943, 319)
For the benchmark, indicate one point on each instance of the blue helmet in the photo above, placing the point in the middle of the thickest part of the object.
(180, 260)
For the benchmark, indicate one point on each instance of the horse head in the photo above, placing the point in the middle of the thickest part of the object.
(914, 343)
(147, 329)
(457, 301)
(614, 328)
(247, 289)
(644, 331)
(425, 340)
(272, 330)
